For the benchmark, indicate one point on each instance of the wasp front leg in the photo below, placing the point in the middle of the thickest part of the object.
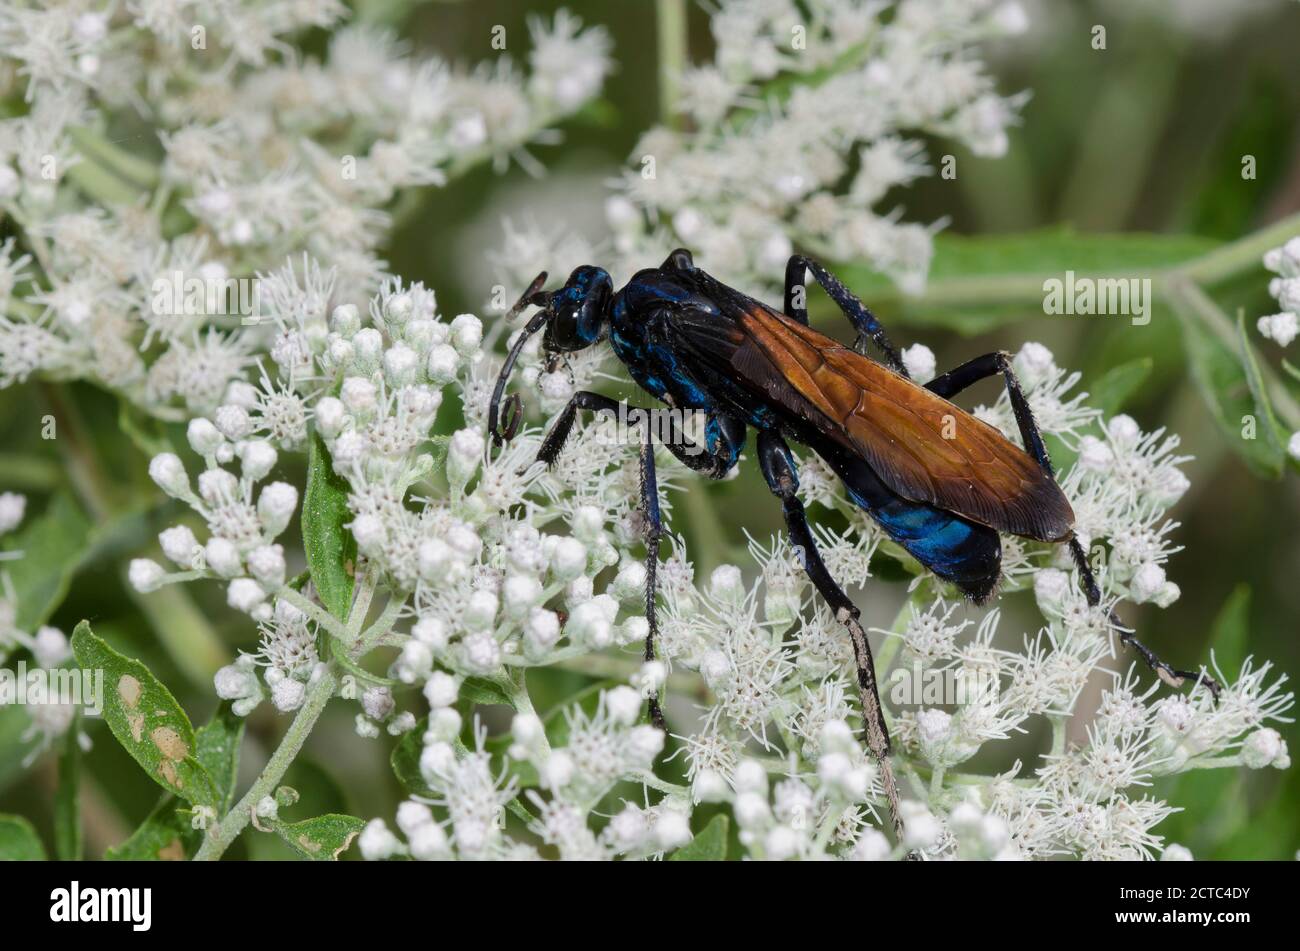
(779, 470)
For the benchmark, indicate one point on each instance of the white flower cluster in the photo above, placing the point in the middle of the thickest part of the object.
(493, 565)
(808, 117)
(266, 154)
(1282, 327)
(48, 648)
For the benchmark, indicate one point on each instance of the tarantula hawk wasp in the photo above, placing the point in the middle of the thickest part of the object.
(938, 481)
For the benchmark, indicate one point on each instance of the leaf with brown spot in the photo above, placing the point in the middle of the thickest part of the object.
(161, 740)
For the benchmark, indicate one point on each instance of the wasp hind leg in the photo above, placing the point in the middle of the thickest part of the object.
(859, 315)
(779, 471)
(992, 364)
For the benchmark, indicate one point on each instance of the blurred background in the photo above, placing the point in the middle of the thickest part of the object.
(1145, 136)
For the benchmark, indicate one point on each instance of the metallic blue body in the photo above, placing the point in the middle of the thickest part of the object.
(645, 317)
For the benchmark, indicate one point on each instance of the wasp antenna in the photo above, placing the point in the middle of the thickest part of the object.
(529, 297)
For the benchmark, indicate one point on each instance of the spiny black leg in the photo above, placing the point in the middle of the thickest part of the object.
(1170, 675)
(991, 364)
(778, 469)
(653, 532)
(863, 320)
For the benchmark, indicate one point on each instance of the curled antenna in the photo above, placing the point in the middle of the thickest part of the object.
(502, 428)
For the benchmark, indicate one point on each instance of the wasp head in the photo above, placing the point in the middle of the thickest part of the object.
(577, 314)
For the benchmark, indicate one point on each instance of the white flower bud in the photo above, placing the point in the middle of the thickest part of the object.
(481, 611)
(179, 545)
(169, 475)
(588, 524)
(12, 507)
(245, 594)
(145, 575)
(288, 695)
(1123, 431)
(872, 846)
(444, 724)
(411, 815)
(650, 677)
(1095, 455)
(1173, 852)
(624, 705)
(436, 761)
(482, 652)
(441, 689)
(726, 584)
(1051, 589)
(203, 437)
(558, 770)
(223, 557)
(50, 647)
(233, 422)
(400, 364)
(266, 564)
(276, 504)
(751, 810)
(710, 786)
(569, 560)
(377, 842)
(345, 320)
(1265, 747)
(520, 593)
(443, 363)
(415, 662)
(542, 629)
(589, 623)
(257, 458)
(369, 532)
(750, 777)
(466, 334)
(1147, 582)
(367, 349)
(359, 395)
(217, 486)
(644, 743)
(464, 455)
(781, 843)
(920, 362)
(432, 632)
(330, 415)
(672, 830)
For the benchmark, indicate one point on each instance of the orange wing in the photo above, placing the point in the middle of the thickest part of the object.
(898, 427)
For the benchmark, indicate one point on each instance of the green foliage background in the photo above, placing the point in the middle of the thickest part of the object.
(1129, 160)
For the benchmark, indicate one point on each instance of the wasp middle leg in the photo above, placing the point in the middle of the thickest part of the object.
(779, 471)
(859, 315)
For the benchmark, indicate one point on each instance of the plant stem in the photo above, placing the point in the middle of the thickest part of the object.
(318, 696)
(673, 35)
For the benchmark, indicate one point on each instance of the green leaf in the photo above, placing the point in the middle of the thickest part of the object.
(217, 749)
(67, 804)
(19, 841)
(980, 282)
(331, 549)
(52, 548)
(1230, 634)
(1114, 388)
(482, 690)
(146, 719)
(165, 835)
(405, 760)
(1221, 380)
(323, 838)
(709, 846)
(1265, 417)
